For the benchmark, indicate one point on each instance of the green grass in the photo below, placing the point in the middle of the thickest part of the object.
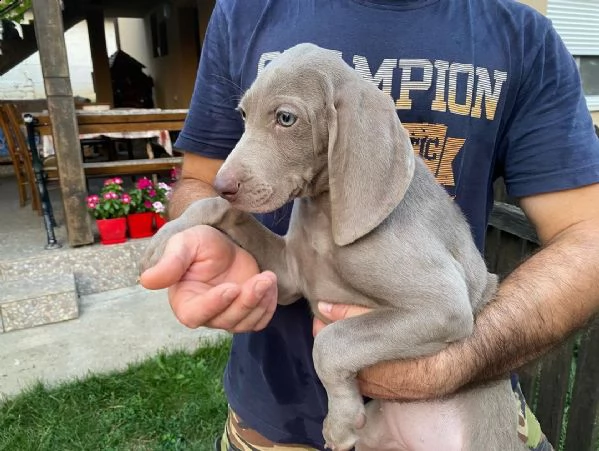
(172, 401)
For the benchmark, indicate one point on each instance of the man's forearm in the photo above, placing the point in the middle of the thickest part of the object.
(541, 303)
(185, 192)
(544, 300)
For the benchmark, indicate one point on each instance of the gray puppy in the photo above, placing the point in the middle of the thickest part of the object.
(370, 226)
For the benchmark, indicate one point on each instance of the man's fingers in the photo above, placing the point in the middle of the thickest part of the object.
(173, 264)
(258, 318)
(250, 306)
(317, 326)
(194, 310)
(336, 312)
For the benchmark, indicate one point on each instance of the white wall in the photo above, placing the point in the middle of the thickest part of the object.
(25, 80)
(135, 42)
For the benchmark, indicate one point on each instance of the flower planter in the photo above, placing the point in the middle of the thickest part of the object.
(141, 225)
(159, 220)
(112, 231)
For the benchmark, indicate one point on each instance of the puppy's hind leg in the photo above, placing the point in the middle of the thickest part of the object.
(343, 348)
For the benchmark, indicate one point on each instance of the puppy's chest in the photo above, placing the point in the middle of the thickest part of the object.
(314, 258)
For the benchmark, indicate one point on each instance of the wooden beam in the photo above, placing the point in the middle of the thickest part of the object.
(49, 31)
(143, 117)
(583, 419)
(101, 65)
(511, 219)
(205, 8)
(116, 127)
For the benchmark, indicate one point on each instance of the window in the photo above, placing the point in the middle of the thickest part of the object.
(577, 22)
(589, 69)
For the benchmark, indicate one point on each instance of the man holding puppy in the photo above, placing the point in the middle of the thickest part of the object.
(486, 89)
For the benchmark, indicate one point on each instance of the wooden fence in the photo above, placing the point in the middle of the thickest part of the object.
(562, 388)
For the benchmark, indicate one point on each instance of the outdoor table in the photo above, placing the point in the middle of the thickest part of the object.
(122, 123)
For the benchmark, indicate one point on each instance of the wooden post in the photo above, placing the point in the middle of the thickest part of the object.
(49, 32)
(101, 65)
(205, 9)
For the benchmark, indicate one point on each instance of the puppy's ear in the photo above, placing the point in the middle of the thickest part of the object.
(370, 157)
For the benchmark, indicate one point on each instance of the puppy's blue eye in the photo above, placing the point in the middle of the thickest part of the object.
(286, 119)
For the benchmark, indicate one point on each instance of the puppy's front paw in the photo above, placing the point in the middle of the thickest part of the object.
(209, 211)
(341, 426)
(157, 244)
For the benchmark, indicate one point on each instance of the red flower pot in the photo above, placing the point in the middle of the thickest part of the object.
(112, 231)
(141, 225)
(159, 220)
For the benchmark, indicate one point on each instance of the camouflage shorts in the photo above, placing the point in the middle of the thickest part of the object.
(239, 437)
(529, 429)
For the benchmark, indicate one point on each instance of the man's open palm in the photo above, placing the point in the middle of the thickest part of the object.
(213, 282)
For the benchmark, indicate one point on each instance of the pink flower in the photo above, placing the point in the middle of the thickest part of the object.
(152, 193)
(117, 180)
(144, 183)
(108, 195)
(91, 205)
(126, 198)
(108, 182)
(148, 204)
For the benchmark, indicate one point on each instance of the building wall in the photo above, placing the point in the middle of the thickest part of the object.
(175, 73)
(539, 5)
(25, 80)
(134, 41)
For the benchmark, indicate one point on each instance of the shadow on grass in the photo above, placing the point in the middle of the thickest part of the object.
(172, 401)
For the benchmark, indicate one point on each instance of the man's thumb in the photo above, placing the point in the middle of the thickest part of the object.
(335, 312)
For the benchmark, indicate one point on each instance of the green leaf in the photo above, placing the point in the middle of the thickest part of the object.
(14, 9)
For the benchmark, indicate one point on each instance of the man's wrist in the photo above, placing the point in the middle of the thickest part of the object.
(187, 191)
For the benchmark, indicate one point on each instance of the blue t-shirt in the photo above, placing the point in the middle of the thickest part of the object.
(486, 89)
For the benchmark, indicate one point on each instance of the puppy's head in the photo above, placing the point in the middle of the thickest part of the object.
(312, 125)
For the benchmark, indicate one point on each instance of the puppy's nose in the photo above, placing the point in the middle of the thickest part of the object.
(227, 186)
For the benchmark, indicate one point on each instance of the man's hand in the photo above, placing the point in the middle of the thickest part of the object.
(414, 379)
(213, 282)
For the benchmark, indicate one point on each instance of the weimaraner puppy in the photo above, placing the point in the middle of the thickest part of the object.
(370, 226)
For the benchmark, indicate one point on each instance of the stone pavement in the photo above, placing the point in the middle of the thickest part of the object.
(114, 328)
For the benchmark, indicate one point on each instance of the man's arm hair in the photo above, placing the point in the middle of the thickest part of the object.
(547, 298)
(196, 180)
(550, 295)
